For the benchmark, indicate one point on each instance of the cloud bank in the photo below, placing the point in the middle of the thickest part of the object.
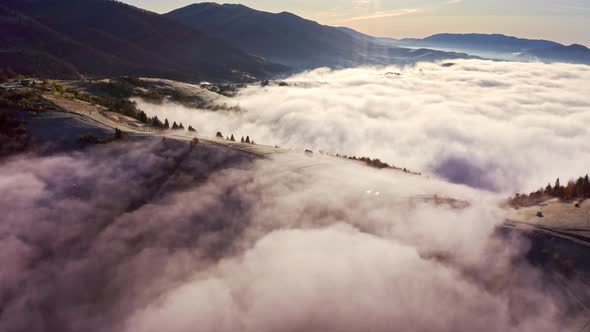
(501, 126)
(153, 235)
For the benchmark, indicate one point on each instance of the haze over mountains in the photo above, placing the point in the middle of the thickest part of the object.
(500, 46)
(289, 39)
(493, 42)
(209, 41)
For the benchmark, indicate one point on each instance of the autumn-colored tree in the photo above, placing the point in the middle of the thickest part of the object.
(569, 192)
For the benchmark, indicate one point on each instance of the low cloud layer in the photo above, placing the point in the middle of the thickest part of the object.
(153, 235)
(501, 126)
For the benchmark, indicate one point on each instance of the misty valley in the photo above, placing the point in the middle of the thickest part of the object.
(221, 168)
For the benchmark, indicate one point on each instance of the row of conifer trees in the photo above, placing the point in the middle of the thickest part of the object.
(231, 138)
(575, 189)
(156, 122)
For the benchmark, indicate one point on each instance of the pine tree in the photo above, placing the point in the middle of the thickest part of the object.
(232, 138)
(586, 186)
(548, 190)
(248, 139)
(242, 139)
(156, 122)
(557, 189)
(181, 126)
(174, 125)
(166, 124)
(579, 192)
(118, 134)
(142, 117)
(219, 135)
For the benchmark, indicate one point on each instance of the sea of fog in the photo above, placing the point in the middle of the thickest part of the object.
(500, 126)
(155, 235)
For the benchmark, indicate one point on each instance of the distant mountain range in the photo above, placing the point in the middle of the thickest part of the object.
(209, 41)
(474, 41)
(500, 46)
(573, 54)
(289, 39)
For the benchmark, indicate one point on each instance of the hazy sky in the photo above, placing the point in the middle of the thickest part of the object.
(563, 20)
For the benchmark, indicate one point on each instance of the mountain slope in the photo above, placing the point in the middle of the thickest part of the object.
(569, 54)
(503, 47)
(281, 37)
(27, 46)
(355, 34)
(105, 38)
(474, 41)
(292, 40)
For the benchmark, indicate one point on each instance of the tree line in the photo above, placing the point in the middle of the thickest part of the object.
(156, 122)
(575, 189)
(116, 100)
(376, 163)
(231, 138)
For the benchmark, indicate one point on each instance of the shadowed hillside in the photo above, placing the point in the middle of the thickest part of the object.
(560, 53)
(280, 37)
(106, 38)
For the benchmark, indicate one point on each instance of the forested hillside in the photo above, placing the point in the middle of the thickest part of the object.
(106, 38)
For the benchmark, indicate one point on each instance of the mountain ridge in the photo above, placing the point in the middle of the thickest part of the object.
(106, 38)
(574, 53)
(503, 47)
(221, 42)
(492, 40)
(295, 41)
